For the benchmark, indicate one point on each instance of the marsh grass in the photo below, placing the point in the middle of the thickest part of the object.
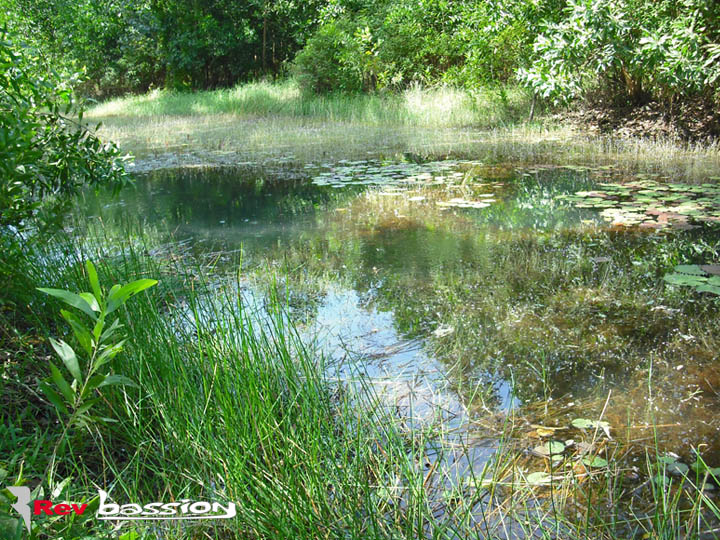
(265, 121)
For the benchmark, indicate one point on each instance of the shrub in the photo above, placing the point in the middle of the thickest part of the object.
(329, 60)
(45, 154)
(640, 49)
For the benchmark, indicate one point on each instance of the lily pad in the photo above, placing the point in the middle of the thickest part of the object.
(673, 466)
(538, 478)
(692, 269)
(595, 462)
(585, 423)
(684, 279)
(550, 448)
(714, 289)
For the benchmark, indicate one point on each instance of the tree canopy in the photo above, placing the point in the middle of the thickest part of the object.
(636, 49)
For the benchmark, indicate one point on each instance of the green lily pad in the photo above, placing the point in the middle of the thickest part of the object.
(685, 279)
(550, 448)
(538, 478)
(692, 269)
(585, 423)
(714, 289)
(595, 462)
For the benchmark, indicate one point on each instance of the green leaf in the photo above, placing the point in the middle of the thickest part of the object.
(82, 334)
(92, 384)
(62, 384)
(86, 406)
(53, 397)
(117, 380)
(685, 280)
(692, 269)
(118, 297)
(91, 300)
(709, 289)
(98, 328)
(550, 448)
(110, 330)
(538, 478)
(595, 461)
(67, 355)
(71, 299)
(586, 423)
(108, 354)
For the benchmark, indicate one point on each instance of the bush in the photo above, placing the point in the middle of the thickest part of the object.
(45, 155)
(329, 60)
(641, 49)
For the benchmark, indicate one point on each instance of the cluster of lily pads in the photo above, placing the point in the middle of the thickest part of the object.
(397, 179)
(650, 204)
(376, 173)
(703, 278)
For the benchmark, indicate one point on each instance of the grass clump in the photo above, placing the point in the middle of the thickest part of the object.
(442, 106)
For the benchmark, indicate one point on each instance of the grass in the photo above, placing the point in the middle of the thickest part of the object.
(265, 121)
(233, 405)
(437, 107)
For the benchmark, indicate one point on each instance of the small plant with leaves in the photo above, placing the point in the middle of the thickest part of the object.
(100, 341)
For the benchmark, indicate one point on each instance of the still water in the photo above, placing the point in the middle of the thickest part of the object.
(459, 289)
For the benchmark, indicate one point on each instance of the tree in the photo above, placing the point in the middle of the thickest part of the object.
(46, 154)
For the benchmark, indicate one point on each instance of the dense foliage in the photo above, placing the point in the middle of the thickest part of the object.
(46, 154)
(634, 49)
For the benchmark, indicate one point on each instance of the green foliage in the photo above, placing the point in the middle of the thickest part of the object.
(45, 155)
(395, 43)
(134, 45)
(100, 342)
(331, 60)
(637, 48)
(703, 278)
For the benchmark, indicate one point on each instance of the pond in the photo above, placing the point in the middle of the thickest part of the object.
(465, 291)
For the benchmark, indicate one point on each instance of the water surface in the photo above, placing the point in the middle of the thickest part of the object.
(457, 288)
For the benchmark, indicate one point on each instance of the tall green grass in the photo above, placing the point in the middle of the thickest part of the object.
(432, 107)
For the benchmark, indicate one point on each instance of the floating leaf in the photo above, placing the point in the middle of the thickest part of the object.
(693, 269)
(538, 478)
(550, 448)
(684, 279)
(714, 289)
(595, 461)
(585, 423)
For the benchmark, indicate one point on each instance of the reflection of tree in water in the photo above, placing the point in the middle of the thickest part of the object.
(530, 304)
(240, 205)
(528, 294)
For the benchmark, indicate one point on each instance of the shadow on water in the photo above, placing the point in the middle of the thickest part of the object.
(460, 288)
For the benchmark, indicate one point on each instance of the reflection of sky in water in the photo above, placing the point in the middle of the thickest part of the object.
(268, 216)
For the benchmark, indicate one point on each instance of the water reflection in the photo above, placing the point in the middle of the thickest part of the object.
(441, 306)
